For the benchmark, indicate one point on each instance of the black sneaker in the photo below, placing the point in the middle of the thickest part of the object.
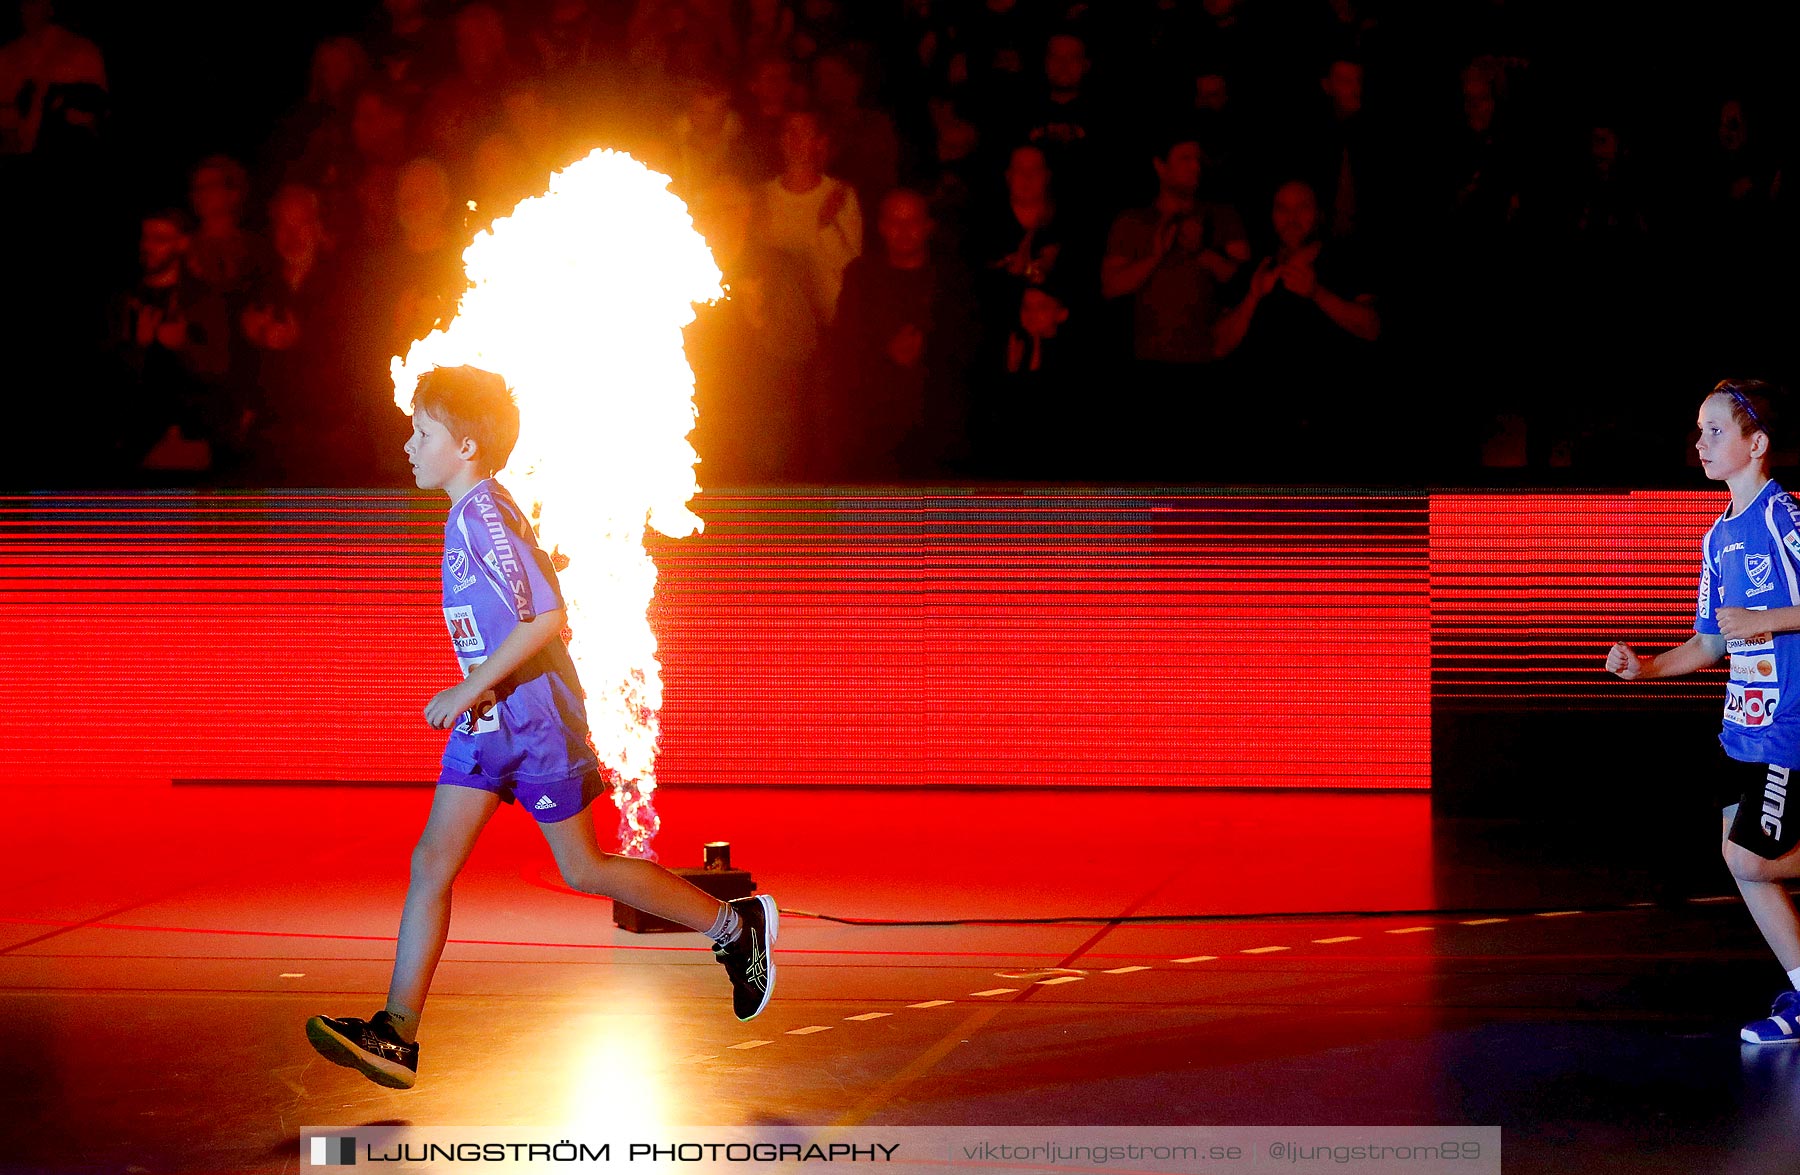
(748, 960)
(373, 1047)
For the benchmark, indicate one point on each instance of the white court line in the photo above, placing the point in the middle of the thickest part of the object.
(1339, 938)
(1483, 921)
(995, 991)
(869, 1016)
(1556, 913)
(1124, 970)
(1195, 959)
(1059, 979)
(931, 1004)
(750, 1044)
(809, 1030)
(1411, 929)
(1263, 950)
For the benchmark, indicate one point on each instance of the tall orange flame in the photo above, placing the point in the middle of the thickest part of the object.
(578, 299)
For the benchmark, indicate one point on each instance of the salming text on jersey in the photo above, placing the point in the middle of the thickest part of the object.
(501, 550)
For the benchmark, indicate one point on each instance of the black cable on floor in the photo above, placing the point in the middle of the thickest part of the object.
(1264, 916)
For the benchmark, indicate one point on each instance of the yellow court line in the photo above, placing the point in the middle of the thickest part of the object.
(961, 1033)
(936, 1053)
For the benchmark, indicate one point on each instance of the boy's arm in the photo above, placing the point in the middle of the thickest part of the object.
(1744, 623)
(1701, 650)
(520, 645)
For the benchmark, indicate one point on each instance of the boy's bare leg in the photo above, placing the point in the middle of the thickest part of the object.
(1766, 897)
(458, 814)
(643, 884)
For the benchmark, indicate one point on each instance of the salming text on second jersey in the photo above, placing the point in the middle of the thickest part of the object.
(1752, 560)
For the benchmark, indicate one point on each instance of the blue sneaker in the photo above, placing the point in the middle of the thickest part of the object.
(1782, 1025)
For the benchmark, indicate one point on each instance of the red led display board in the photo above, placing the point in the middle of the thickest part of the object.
(940, 638)
(1061, 638)
(1529, 590)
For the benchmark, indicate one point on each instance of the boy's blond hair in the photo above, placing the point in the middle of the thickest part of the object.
(473, 403)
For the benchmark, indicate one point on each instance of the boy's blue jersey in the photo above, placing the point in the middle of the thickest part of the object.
(1752, 560)
(533, 725)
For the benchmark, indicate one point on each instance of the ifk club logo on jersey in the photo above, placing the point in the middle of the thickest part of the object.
(1758, 567)
(327, 1151)
(456, 562)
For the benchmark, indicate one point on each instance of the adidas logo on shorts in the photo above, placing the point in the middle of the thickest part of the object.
(544, 802)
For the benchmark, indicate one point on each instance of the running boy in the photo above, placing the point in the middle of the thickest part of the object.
(1749, 607)
(518, 733)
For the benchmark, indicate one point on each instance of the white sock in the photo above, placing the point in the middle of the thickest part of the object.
(1794, 978)
(725, 928)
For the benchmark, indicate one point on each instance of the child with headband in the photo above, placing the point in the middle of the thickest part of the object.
(1749, 609)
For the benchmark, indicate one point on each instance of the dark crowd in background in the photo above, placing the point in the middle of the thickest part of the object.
(1191, 241)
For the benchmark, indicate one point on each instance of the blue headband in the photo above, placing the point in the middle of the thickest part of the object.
(1744, 402)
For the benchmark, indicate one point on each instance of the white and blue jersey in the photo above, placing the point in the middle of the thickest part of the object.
(1752, 560)
(532, 727)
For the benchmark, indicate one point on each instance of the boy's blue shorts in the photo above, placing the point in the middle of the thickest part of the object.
(548, 803)
(529, 747)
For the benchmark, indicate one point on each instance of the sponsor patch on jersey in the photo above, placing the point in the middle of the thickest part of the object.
(456, 566)
(1792, 539)
(1748, 705)
(1731, 548)
(1753, 668)
(1705, 593)
(1759, 568)
(465, 634)
(1762, 642)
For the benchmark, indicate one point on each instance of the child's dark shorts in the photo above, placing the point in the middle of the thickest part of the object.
(1767, 821)
(548, 803)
